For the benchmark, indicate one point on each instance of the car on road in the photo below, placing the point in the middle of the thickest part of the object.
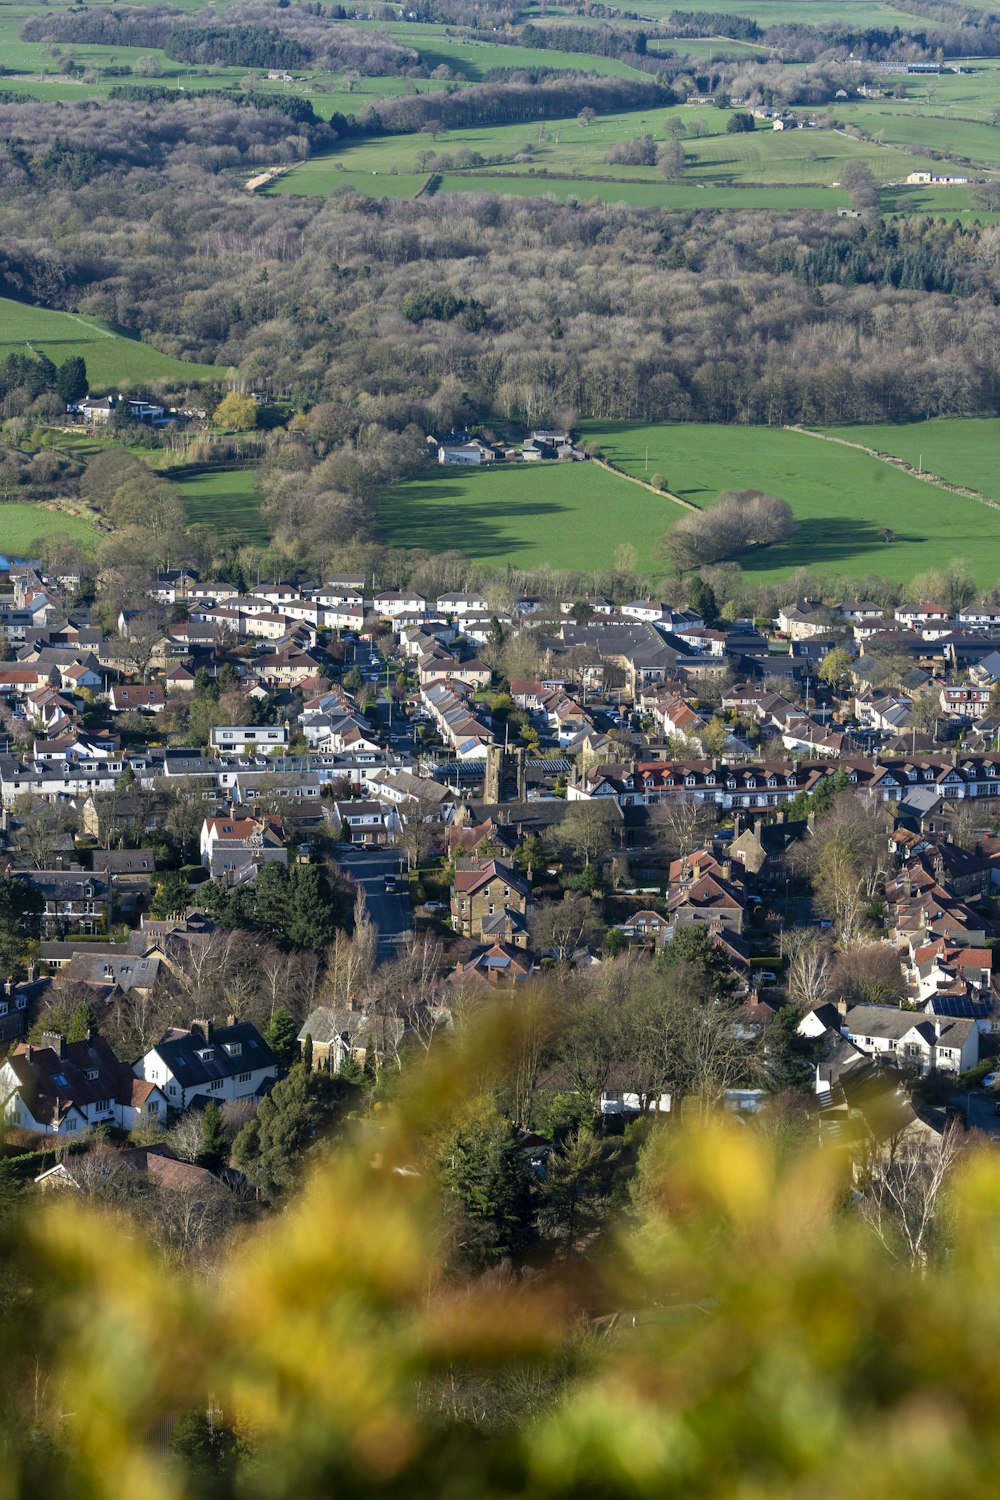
(434, 906)
(766, 976)
(991, 1080)
(390, 883)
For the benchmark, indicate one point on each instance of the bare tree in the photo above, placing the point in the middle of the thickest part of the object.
(38, 828)
(810, 969)
(680, 824)
(905, 1182)
(559, 928)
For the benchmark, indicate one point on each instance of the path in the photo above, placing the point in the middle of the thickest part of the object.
(602, 463)
(899, 463)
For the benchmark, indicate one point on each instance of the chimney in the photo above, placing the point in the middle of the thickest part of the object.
(230, 1019)
(737, 823)
(32, 972)
(727, 869)
(203, 1027)
(56, 1041)
(841, 1006)
(779, 817)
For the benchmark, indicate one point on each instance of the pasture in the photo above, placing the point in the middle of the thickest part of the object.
(227, 499)
(22, 522)
(113, 359)
(564, 515)
(783, 170)
(962, 450)
(842, 498)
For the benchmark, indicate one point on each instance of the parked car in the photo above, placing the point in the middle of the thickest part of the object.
(991, 1080)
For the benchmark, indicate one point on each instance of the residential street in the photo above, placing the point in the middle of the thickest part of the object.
(390, 913)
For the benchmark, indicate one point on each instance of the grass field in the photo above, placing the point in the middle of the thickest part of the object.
(564, 515)
(840, 497)
(112, 358)
(784, 170)
(228, 500)
(22, 522)
(963, 450)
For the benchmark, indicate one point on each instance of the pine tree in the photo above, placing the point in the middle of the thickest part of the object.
(71, 379)
(214, 1151)
(307, 1052)
(281, 1035)
(488, 1178)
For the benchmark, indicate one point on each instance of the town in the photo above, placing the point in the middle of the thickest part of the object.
(319, 820)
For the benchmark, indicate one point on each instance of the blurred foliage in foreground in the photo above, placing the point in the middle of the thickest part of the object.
(746, 1336)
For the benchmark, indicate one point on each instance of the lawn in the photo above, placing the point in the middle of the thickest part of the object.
(963, 450)
(531, 515)
(227, 499)
(841, 498)
(113, 359)
(21, 522)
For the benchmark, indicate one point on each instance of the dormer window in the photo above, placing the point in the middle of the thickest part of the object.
(234, 1048)
(90, 1074)
(206, 1053)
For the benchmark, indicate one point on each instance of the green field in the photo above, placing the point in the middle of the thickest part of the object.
(840, 497)
(564, 515)
(228, 499)
(780, 170)
(21, 523)
(113, 359)
(963, 450)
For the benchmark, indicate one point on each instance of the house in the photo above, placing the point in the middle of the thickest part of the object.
(499, 964)
(365, 822)
(158, 1164)
(490, 902)
(63, 1088)
(647, 927)
(209, 1062)
(392, 603)
(240, 738)
(930, 1043)
(967, 702)
(801, 620)
(150, 699)
(234, 848)
(74, 901)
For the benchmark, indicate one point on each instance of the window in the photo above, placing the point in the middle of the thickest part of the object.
(216, 1085)
(244, 1078)
(172, 1089)
(72, 1123)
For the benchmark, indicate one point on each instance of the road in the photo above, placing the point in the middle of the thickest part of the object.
(978, 1106)
(391, 914)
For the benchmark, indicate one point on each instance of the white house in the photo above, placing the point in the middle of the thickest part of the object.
(242, 737)
(942, 1043)
(63, 1088)
(392, 603)
(214, 1062)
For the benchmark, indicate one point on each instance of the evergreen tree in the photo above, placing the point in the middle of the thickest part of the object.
(20, 922)
(208, 1452)
(82, 1020)
(281, 1035)
(71, 379)
(171, 895)
(488, 1179)
(312, 917)
(214, 1151)
(307, 1052)
(270, 1148)
(575, 1194)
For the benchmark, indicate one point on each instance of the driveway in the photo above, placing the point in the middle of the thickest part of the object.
(390, 913)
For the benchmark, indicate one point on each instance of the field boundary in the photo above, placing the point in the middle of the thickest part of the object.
(602, 463)
(894, 462)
